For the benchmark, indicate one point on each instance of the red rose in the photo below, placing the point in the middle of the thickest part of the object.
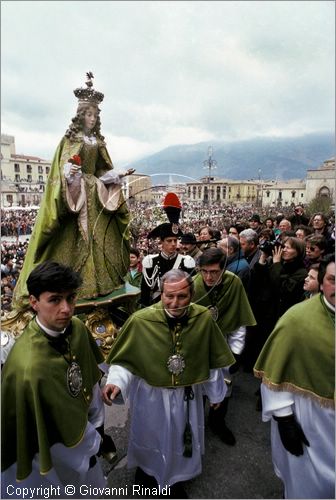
(76, 159)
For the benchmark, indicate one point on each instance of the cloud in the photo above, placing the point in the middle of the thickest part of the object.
(171, 71)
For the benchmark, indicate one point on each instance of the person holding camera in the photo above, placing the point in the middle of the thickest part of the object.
(276, 284)
(298, 218)
(283, 275)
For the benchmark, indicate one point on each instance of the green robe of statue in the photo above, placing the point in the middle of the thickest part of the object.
(146, 342)
(37, 407)
(91, 235)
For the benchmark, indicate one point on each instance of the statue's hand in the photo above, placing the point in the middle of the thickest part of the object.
(71, 170)
(130, 171)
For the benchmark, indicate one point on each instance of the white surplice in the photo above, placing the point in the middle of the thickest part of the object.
(158, 420)
(311, 475)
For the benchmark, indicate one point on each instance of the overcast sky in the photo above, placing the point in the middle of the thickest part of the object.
(172, 72)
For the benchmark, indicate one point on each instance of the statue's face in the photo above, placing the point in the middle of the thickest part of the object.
(90, 118)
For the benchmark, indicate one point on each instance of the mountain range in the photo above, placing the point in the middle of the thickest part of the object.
(265, 158)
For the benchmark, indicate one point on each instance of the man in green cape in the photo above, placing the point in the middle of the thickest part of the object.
(297, 367)
(222, 292)
(52, 412)
(164, 359)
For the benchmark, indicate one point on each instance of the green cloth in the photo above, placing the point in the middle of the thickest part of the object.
(145, 343)
(230, 298)
(101, 257)
(134, 279)
(37, 409)
(299, 355)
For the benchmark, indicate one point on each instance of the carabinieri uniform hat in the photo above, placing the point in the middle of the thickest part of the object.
(172, 206)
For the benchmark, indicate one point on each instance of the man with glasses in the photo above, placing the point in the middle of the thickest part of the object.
(222, 292)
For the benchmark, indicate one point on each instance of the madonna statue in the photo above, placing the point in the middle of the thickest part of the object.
(83, 219)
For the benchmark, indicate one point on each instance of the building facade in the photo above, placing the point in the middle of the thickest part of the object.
(321, 181)
(137, 187)
(223, 191)
(23, 178)
(283, 193)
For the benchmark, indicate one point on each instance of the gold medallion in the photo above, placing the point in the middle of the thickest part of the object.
(74, 379)
(176, 364)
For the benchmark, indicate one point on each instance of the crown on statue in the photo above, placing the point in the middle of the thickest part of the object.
(89, 94)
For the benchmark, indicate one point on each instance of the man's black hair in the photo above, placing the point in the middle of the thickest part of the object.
(134, 251)
(51, 276)
(330, 257)
(212, 256)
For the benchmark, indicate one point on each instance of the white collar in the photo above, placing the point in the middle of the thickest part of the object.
(329, 306)
(90, 139)
(168, 257)
(52, 333)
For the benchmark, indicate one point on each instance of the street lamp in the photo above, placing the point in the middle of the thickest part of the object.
(210, 164)
(259, 190)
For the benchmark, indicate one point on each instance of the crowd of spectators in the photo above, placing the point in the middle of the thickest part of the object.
(16, 227)
(17, 224)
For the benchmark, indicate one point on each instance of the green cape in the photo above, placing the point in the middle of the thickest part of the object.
(102, 257)
(234, 309)
(299, 355)
(144, 345)
(37, 409)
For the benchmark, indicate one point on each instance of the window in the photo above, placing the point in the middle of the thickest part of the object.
(324, 191)
(268, 193)
(16, 167)
(47, 170)
(17, 177)
(280, 195)
(9, 198)
(40, 178)
(224, 192)
(218, 193)
(29, 178)
(29, 169)
(293, 194)
(301, 195)
(40, 169)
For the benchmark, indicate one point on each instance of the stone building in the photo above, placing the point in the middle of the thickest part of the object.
(23, 177)
(321, 181)
(283, 193)
(222, 191)
(138, 187)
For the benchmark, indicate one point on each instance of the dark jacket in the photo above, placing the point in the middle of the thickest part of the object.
(279, 285)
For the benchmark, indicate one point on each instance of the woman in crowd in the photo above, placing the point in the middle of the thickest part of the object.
(276, 284)
(206, 234)
(284, 276)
